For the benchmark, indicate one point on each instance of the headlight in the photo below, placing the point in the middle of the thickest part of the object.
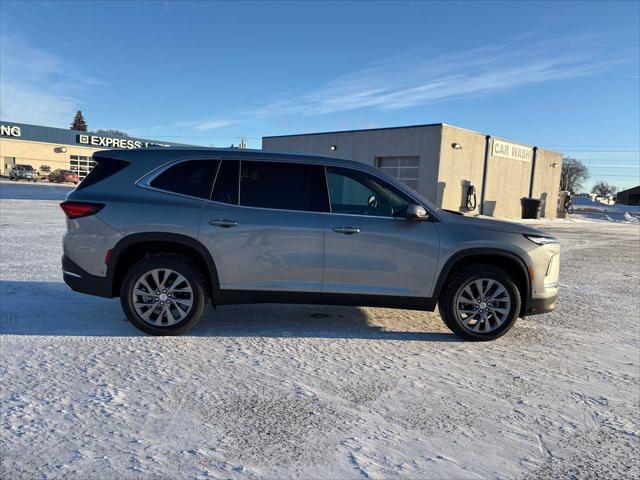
(541, 239)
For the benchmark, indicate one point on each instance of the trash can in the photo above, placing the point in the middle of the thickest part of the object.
(531, 207)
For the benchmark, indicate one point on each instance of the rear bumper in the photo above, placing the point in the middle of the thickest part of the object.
(80, 281)
(537, 306)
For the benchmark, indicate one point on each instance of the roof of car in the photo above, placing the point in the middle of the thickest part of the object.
(161, 154)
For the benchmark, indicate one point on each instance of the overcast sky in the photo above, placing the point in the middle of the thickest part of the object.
(559, 75)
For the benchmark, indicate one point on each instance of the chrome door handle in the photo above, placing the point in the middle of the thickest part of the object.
(346, 230)
(224, 223)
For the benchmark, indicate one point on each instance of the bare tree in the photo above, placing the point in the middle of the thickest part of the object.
(603, 189)
(573, 175)
(113, 133)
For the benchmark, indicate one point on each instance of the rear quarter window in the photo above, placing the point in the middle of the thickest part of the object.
(192, 177)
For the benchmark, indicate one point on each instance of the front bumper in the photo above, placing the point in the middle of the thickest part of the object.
(537, 306)
(80, 281)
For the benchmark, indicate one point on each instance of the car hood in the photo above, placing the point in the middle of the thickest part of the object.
(489, 223)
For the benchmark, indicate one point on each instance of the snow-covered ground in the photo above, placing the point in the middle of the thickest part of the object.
(310, 391)
(589, 209)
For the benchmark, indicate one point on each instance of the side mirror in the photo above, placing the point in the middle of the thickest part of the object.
(415, 212)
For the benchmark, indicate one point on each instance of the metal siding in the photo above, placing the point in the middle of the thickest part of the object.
(61, 136)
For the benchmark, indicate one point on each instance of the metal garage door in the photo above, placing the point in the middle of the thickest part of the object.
(81, 165)
(404, 169)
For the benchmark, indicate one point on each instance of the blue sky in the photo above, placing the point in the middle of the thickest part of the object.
(564, 76)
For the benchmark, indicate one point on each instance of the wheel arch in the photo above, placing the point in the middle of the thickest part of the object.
(504, 259)
(138, 245)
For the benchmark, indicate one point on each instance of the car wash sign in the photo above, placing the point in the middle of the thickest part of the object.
(114, 142)
(512, 151)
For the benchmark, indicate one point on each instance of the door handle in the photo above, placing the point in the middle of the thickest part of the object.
(346, 230)
(223, 222)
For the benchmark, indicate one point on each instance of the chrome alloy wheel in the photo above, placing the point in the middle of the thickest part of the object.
(483, 305)
(162, 297)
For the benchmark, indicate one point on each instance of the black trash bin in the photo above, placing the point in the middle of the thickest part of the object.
(531, 207)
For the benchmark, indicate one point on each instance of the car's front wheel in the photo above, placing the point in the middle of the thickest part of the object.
(480, 302)
(163, 294)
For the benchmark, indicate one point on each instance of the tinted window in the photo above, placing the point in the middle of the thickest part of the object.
(104, 168)
(226, 187)
(193, 177)
(359, 193)
(288, 186)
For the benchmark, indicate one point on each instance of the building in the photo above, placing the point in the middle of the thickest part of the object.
(631, 196)
(445, 164)
(47, 148)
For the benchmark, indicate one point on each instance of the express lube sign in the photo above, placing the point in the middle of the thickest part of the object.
(511, 150)
(113, 142)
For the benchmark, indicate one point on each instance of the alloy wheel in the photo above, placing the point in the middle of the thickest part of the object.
(162, 297)
(483, 305)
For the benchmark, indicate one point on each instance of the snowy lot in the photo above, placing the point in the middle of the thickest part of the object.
(278, 391)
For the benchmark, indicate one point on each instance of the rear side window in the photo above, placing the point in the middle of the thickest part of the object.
(193, 178)
(226, 188)
(287, 186)
(105, 167)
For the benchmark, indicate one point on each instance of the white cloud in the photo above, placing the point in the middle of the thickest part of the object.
(213, 124)
(37, 86)
(417, 79)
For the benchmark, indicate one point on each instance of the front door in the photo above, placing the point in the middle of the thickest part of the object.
(263, 226)
(370, 248)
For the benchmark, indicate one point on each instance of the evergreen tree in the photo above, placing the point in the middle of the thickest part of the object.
(78, 122)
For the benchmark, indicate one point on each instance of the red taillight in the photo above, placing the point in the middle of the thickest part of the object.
(80, 209)
(107, 257)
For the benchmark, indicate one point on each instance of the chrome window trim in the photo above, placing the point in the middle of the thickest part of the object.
(147, 178)
(265, 208)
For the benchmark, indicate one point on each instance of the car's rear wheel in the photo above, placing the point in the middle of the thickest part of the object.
(480, 302)
(163, 295)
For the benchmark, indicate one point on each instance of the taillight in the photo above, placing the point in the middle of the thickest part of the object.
(80, 209)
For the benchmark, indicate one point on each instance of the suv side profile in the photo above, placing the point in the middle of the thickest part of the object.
(168, 229)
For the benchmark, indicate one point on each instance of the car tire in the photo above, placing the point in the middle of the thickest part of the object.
(483, 318)
(158, 321)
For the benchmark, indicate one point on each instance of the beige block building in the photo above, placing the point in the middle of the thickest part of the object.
(446, 164)
(47, 149)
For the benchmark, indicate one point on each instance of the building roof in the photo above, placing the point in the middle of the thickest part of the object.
(65, 136)
(358, 130)
(630, 190)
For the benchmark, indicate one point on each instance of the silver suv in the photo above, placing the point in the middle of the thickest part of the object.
(169, 229)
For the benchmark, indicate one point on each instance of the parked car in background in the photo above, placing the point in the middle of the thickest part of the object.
(23, 172)
(64, 176)
(168, 229)
(43, 172)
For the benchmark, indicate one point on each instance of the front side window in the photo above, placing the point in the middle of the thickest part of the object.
(286, 186)
(358, 193)
(192, 177)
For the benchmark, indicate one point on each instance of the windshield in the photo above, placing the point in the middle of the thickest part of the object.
(25, 167)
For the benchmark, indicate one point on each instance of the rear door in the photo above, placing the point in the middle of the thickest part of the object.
(370, 248)
(263, 226)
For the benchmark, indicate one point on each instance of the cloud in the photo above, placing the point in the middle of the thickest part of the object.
(213, 124)
(35, 84)
(417, 79)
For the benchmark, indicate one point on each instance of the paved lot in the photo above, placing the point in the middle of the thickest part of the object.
(280, 391)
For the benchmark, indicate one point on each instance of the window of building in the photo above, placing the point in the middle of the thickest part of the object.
(192, 177)
(81, 165)
(226, 188)
(286, 186)
(405, 169)
(358, 193)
